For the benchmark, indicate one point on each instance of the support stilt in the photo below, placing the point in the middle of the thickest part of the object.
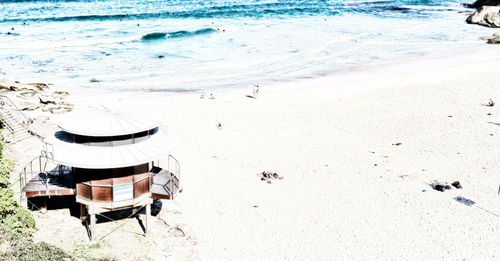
(24, 201)
(43, 207)
(148, 218)
(92, 226)
(82, 212)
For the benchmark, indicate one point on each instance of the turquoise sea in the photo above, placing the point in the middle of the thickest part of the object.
(183, 45)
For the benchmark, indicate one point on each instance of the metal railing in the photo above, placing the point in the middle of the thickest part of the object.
(174, 168)
(25, 121)
(30, 170)
(175, 163)
(6, 123)
(46, 146)
(27, 173)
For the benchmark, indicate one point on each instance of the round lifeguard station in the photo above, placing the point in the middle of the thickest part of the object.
(109, 159)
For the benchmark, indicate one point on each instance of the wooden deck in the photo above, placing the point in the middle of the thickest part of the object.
(165, 185)
(43, 184)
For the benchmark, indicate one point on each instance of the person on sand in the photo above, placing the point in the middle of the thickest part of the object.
(491, 103)
(270, 175)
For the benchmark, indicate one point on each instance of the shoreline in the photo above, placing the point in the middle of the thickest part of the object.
(357, 73)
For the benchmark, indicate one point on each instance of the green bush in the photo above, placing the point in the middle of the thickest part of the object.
(17, 224)
(22, 248)
(13, 216)
(6, 167)
(21, 222)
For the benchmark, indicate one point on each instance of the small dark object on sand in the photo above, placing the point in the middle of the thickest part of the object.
(447, 187)
(491, 103)
(397, 144)
(456, 184)
(439, 188)
(161, 56)
(219, 126)
(268, 175)
(464, 201)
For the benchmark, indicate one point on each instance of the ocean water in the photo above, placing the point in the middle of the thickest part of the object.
(192, 45)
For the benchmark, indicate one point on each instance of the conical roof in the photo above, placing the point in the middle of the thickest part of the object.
(101, 121)
(61, 148)
(111, 120)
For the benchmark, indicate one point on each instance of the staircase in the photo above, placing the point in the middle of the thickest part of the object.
(14, 121)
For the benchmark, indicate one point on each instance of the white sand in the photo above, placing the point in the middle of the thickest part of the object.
(325, 137)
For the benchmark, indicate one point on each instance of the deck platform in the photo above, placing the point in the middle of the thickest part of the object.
(47, 184)
(165, 185)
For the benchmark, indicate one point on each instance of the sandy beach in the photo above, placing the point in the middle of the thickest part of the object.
(357, 153)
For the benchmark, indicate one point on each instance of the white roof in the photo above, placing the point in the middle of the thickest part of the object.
(109, 120)
(63, 150)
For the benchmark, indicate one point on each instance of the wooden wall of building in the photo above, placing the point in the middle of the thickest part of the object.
(103, 184)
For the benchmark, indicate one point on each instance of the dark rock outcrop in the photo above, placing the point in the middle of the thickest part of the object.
(486, 16)
(480, 3)
(494, 39)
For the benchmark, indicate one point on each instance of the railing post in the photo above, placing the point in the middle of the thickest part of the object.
(21, 182)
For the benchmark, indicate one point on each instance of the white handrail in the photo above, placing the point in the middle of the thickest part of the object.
(27, 121)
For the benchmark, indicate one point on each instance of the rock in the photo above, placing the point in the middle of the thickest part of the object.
(47, 100)
(66, 104)
(67, 109)
(494, 41)
(13, 88)
(27, 94)
(41, 119)
(61, 93)
(94, 80)
(486, 16)
(51, 108)
(480, 3)
(39, 86)
(28, 106)
(57, 109)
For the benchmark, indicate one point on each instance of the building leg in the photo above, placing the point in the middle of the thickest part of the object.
(82, 212)
(148, 218)
(24, 201)
(43, 207)
(92, 225)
